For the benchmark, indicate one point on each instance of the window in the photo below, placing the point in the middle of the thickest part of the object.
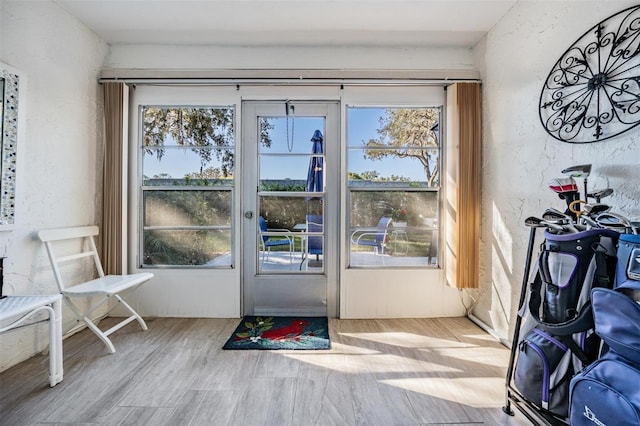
(393, 165)
(187, 185)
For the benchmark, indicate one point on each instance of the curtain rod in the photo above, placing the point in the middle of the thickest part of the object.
(268, 76)
(288, 81)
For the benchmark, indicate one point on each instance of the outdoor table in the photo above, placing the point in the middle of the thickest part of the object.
(301, 227)
(399, 235)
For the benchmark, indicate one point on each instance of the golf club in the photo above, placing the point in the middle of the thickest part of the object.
(600, 194)
(595, 209)
(582, 171)
(587, 220)
(556, 216)
(590, 211)
(536, 222)
(614, 221)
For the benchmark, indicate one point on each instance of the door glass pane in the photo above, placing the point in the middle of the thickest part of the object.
(279, 135)
(291, 160)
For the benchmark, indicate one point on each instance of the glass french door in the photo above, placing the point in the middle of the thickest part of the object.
(290, 168)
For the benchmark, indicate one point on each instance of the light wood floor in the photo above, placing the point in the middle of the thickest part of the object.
(378, 372)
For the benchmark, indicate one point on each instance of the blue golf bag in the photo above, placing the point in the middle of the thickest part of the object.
(608, 391)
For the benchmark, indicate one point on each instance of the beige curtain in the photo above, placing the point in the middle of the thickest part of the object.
(462, 185)
(469, 184)
(112, 212)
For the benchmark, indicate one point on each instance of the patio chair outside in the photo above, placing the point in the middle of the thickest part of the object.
(376, 238)
(101, 289)
(268, 241)
(314, 242)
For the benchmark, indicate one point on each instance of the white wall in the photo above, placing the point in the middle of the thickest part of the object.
(288, 57)
(520, 158)
(58, 173)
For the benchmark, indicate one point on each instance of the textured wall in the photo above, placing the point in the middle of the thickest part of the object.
(520, 158)
(59, 148)
(288, 57)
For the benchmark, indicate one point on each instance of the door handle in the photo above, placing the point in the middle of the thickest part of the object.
(248, 214)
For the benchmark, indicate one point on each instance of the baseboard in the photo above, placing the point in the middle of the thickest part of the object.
(477, 321)
(300, 311)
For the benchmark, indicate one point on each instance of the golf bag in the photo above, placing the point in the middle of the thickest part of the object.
(628, 268)
(607, 392)
(557, 338)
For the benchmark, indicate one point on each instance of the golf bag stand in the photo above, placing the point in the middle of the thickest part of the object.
(525, 280)
(554, 335)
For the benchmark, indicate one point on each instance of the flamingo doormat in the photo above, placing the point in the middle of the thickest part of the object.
(307, 333)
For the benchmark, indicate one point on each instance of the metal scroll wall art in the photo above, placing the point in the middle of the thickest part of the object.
(593, 92)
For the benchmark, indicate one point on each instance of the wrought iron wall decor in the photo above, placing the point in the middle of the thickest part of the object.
(593, 92)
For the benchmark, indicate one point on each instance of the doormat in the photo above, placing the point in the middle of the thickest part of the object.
(301, 333)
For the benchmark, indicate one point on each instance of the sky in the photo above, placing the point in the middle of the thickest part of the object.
(288, 156)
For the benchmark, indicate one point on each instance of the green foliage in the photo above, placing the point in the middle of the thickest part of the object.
(163, 248)
(281, 186)
(254, 331)
(205, 175)
(375, 176)
(410, 132)
(369, 175)
(367, 207)
(199, 128)
(186, 208)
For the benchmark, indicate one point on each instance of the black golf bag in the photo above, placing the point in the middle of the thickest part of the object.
(608, 392)
(554, 336)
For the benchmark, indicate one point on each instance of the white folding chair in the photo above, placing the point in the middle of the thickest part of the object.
(104, 287)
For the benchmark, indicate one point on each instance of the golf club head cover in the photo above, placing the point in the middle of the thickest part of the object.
(563, 185)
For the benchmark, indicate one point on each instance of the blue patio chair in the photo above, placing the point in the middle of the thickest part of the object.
(269, 241)
(373, 238)
(314, 242)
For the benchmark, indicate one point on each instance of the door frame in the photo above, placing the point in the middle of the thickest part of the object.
(252, 283)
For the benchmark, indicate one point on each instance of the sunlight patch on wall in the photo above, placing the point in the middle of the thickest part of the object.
(503, 238)
(501, 290)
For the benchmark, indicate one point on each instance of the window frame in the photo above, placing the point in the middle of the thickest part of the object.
(145, 189)
(397, 187)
